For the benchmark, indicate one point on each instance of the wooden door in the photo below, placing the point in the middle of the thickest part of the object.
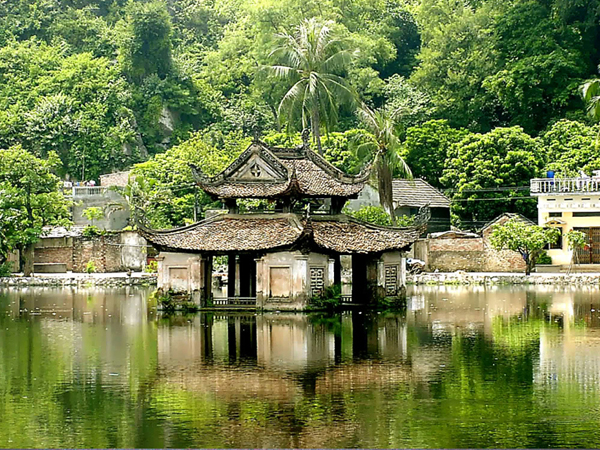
(595, 245)
(591, 253)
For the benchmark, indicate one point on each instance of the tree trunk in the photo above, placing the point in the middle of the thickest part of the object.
(27, 259)
(275, 117)
(384, 181)
(316, 130)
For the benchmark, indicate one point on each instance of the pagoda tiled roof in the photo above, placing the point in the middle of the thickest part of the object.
(292, 171)
(223, 233)
(264, 232)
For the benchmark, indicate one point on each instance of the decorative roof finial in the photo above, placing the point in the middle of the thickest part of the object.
(256, 134)
(306, 137)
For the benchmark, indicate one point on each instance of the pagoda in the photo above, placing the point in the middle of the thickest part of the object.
(280, 259)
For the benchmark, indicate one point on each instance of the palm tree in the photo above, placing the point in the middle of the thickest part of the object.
(386, 147)
(590, 91)
(311, 59)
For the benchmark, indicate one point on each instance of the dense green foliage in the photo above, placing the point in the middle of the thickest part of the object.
(528, 240)
(30, 200)
(482, 94)
(481, 165)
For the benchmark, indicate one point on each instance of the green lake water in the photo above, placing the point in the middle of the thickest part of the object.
(462, 367)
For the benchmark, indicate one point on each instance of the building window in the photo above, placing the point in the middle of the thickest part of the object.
(555, 214)
(317, 280)
(391, 280)
(586, 214)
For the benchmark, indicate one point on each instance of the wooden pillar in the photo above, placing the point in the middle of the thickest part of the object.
(231, 275)
(359, 279)
(247, 276)
(207, 277)
(337, 270)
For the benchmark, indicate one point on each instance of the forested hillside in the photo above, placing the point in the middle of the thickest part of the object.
(481, 94)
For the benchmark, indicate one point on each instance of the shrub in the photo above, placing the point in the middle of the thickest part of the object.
(544, 258)
(152, 267)
(91, 231)
(330, 298)
(90, 267)
(6, 269)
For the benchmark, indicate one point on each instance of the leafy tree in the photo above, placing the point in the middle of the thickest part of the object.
(590, 91)
(92, 213)
(542, 59)
(571, 147)
(76, 106)
(34, 200)
(371, 214)
(163, 186)
(426, 147)
(386, 148)
(312, 59)
(487, 173)
(146, 47)
(528, 240)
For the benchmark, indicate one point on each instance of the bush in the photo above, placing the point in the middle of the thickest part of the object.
(90, 267)
(371, 214)
(544, 258)
(6, 269)
(330, 298)
(91, 231)
(152, 267)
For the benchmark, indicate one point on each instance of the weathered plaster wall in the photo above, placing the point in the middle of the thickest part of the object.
(115, 219)
(133, 250)
(284, 278)
(181, 272)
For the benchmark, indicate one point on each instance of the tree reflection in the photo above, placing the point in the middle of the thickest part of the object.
(481, 368)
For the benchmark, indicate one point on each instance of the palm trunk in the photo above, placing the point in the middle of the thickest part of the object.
(275, 117)
(384, 180)
(316, 130)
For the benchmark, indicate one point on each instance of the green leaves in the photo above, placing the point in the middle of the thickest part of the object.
(484, 167)
(527, 240)
(29, 198)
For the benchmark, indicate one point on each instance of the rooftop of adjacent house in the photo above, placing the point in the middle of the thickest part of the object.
(504, 218)
(416, 193)
(261, 232)
(268, 172)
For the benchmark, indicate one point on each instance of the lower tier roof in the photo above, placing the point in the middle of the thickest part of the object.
(268, 232)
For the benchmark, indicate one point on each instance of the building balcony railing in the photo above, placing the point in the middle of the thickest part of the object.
(564, 186)
(85, 191)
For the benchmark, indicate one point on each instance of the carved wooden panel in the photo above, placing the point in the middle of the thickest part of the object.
(317, 280)
(391, 280)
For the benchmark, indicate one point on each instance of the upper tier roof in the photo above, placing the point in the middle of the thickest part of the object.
(263, 172)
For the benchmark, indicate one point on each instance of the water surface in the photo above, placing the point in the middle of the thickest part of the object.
(463, 367)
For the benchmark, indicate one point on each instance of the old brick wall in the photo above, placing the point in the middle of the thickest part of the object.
(54, 250)
(105, 251)
(470, 255)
